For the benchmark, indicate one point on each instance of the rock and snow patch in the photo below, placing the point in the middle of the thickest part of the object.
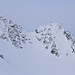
(12, 32)
(53, 35)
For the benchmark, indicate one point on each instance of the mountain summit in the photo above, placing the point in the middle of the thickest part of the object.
(53, 36)
(35, 53)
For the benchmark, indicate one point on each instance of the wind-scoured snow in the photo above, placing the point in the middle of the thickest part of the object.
(49, 50)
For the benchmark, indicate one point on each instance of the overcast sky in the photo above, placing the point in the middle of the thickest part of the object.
(31, 14)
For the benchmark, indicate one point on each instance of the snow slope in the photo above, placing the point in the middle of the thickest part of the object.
(49, 50)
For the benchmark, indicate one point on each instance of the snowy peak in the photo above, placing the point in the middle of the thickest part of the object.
(54, 37)
(12, 32)
(49, 50)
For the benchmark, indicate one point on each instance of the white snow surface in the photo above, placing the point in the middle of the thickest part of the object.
(35, 58)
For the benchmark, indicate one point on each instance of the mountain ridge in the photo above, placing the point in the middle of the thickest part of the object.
(46, 34)
(48, 50)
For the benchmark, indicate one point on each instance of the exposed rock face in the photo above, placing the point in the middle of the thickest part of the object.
(50, 34)
(12, 32)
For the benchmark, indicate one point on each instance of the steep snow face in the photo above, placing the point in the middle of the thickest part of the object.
(58, 40)
(24, 53)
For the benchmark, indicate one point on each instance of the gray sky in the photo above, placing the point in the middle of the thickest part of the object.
(31, 14)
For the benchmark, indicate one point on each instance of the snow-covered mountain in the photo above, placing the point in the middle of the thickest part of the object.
(49, 50)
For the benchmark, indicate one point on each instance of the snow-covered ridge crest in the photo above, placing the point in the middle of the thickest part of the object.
(54, 37)
(12, 32)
